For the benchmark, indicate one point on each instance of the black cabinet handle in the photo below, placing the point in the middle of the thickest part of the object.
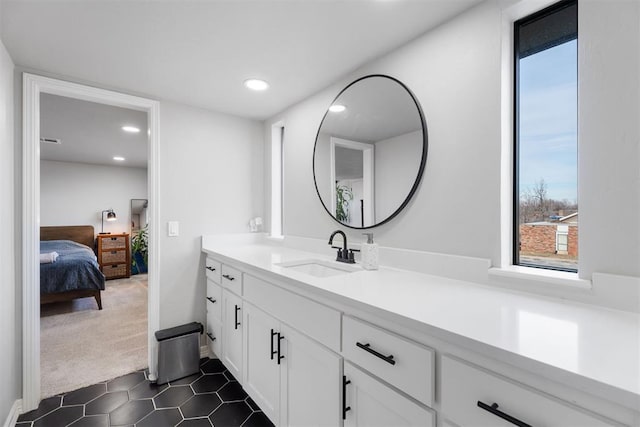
(210, 268)
(345, 408)
(226, 276)
(211, 337)
(211, 299)
(367, 348)
(495, 411)
(273, 352)
(280, 338)
(237, 323)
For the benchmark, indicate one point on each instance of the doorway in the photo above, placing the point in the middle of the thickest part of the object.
(33, 87)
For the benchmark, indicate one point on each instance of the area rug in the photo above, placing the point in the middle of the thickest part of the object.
(81, 345)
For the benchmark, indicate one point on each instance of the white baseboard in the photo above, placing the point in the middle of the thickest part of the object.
(204, 351)
(15, 411)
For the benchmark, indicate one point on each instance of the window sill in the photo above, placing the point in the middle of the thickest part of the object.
(542, 276)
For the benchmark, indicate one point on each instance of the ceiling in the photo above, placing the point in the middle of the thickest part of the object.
(91, 133)
(377, 108)
(200, 52)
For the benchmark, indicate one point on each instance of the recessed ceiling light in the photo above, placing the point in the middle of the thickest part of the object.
(118, 158)
(256, 84)
(337, 108)
(131, 129)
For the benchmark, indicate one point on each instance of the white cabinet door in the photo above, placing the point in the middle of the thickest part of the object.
(370, 403)
(311, 382)
(232, 333)
(261, 368)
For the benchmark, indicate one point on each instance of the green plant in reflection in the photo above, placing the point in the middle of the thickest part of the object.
(344, 196)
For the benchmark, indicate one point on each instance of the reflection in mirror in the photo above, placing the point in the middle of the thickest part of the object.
(370, 152)
(139, 214)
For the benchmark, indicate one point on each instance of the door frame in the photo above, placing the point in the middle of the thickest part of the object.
(368, 161)
(32, 86)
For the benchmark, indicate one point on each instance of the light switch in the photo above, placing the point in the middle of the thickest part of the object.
(173, 228)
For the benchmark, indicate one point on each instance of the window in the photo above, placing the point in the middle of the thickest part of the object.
(546, 138)
(277, 138)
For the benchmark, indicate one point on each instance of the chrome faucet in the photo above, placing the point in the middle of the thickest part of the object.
(344, 254)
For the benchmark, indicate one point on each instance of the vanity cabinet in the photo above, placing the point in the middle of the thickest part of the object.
(232, 332)
(293, 379)
(369, 403)
(473, 396)
(214, 317)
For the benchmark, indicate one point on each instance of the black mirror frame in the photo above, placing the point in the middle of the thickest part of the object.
(423, 161)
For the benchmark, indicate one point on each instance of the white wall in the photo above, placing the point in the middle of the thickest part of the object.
(455, 72)
(77, 193)
(397, 163)
(211, 182)
(9, 354)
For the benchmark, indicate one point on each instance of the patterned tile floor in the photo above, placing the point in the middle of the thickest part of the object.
(210, 398)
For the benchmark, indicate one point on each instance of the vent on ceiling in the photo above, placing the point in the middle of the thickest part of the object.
(51, 141)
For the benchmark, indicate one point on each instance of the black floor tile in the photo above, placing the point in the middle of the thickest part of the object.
(173, 397)
(209, 383)
(196, 422)
(252, 404)
(84, 395)
(60, 417)
(132, 399)
(186, 380)
(146, 390)
(213, 366)
(232, 391)
(131, 412)
(229, 376)
(257, 419)
(92, 421)
(161, 418)
(106, 403)
(126, 382)
(231, 414)
(46, 406)
(200, 405)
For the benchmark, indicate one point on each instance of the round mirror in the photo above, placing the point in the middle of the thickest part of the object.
(370, 152)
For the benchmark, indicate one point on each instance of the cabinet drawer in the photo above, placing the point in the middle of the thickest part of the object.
(231, 279)
(214, 335)
(114, 271)
(464, 385)
(113, 257)
(214, 300)
(407, 365)
(212, 269)
(115, 242)
(316, 320)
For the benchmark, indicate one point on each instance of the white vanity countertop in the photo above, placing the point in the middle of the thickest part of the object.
(597, 344)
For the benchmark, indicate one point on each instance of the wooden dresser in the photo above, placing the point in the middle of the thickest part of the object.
(114, 255)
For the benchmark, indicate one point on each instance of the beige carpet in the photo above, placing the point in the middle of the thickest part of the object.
(81, 345)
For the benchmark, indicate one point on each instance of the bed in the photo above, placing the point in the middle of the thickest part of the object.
(75, 273)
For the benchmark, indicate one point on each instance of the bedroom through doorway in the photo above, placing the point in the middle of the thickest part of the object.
(94, 220)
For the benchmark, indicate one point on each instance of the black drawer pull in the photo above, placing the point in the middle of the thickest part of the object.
(114, 252)
(211, 299)
(273, 352)
(495, 411)
(226, 276)
(211, 337)
(114, 238)
(345, 408)
(210, 268)
(114, 266)
(280, 338)
(237, 323)
(367, 348)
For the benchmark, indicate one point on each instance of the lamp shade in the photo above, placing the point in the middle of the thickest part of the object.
(111, 216)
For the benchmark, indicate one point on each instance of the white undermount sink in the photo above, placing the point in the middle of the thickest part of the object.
(318, 268)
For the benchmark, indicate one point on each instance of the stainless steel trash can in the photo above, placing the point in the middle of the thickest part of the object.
(178, 351)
